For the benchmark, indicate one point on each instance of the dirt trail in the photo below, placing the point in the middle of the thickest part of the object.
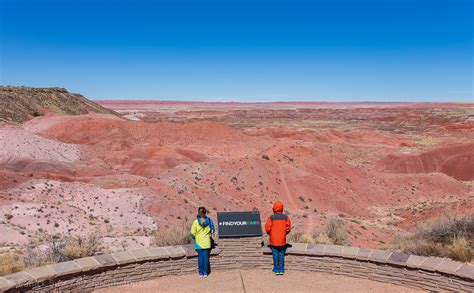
(309, 225)
(287, 190)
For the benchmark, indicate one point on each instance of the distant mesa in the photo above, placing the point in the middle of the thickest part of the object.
(20, 104)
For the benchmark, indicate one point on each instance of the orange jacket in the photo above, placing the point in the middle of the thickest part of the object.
(278, 225)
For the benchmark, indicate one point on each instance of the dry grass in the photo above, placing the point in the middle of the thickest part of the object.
(322, 238)
(50, 249)
(295, 237)
(53, 249)
(77, 247)
(10, 263)
(461, 249)
(172, 236)
(451, 237)
(335, 233)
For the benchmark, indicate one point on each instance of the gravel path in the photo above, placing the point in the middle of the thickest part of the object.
(258, 281)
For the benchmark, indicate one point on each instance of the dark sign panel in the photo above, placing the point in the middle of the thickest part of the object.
(239, 224)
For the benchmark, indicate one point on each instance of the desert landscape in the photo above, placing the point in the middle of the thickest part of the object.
(122, 170)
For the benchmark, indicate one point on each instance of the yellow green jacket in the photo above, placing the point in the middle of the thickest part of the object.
(201, 232)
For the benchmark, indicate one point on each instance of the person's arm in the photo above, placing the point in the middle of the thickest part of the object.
(288, 225)
(211, 225)
(193, 229)
(268, 226)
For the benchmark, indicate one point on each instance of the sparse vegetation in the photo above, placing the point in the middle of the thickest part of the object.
(451, 237)
(295, 237)
(50, 249)
(18, 109)
(172, 236)
(335, 233)
(10, 263)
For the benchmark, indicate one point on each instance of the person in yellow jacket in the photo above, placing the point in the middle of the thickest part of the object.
(201, 231)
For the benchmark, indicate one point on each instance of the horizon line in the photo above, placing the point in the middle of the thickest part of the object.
(136, 101)
(157, 100)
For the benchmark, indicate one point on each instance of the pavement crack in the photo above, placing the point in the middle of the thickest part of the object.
(242, 281)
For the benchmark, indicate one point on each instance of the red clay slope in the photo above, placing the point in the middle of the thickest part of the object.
(175, 167)
(456, 161)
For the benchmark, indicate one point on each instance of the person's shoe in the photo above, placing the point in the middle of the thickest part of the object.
(280, 274)
(201, 276)
(275, 273)
(204, 276)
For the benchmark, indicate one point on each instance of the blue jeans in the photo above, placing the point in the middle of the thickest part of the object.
(278, 253)
(203, 261)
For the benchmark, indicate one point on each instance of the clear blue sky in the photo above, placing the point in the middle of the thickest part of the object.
(340, 50)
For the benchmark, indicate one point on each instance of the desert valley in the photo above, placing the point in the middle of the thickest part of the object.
(126, 169)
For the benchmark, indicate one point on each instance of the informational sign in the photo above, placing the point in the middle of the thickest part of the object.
(239, 224)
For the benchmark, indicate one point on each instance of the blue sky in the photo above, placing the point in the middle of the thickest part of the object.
(228, 50)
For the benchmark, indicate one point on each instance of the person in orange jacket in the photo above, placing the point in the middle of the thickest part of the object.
(278, 226)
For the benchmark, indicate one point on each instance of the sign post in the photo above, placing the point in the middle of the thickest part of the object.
(239, 224)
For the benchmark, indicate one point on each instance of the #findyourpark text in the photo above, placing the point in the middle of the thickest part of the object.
(238, 223)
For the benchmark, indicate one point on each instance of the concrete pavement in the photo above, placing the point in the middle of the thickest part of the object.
(258, 281)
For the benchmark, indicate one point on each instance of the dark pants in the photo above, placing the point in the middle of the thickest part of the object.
(278, 253)
(203, 261)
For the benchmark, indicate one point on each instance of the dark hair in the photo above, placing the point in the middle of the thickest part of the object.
(202, 211)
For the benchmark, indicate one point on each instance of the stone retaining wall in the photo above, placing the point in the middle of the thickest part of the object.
(89, 273)
(429, 273)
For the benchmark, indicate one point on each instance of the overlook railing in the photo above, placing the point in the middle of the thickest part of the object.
(106, 270)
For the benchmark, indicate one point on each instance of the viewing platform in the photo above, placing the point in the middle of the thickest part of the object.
(312, 264)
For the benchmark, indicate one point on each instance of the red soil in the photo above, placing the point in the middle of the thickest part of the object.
(456, 161)
(320, 162)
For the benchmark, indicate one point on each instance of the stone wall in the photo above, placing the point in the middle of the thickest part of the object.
(429, 273)
(89, 273)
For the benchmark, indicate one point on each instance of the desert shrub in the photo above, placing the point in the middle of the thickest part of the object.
(443, 229)
(299, 237)
(77, 247)
(336, 231)
(417, 246)
(460, 249)
(10, 263)
(53, 249)
(322, 238)
(451, 237)
(294, 237)
(171, 236)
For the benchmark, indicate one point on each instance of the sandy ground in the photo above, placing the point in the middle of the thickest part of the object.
(18, 144)
(73, 208)
(258, 281)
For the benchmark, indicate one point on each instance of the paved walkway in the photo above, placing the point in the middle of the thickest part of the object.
(258, 281)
